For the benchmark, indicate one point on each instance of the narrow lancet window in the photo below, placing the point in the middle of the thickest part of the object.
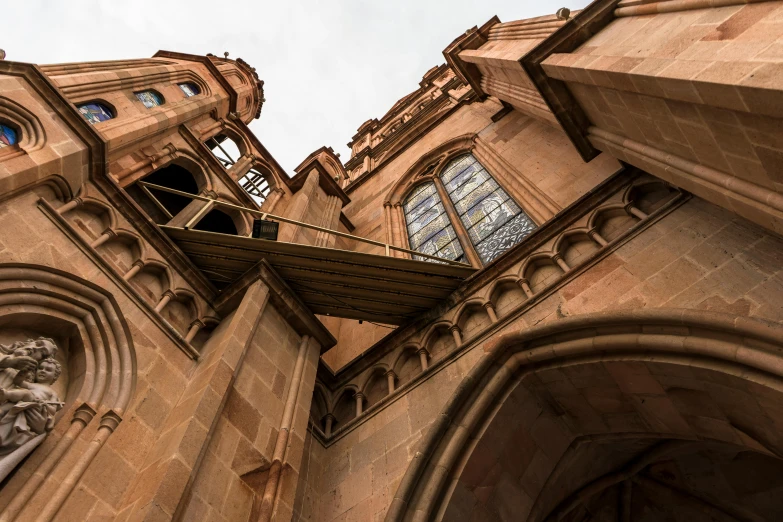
(493, 221)
(429, 228)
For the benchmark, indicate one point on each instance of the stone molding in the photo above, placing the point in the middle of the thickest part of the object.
(122, 282)
(555, 93)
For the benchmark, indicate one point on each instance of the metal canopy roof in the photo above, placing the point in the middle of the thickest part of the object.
(339, 283)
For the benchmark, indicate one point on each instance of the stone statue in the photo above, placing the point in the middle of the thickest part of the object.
(28, 404)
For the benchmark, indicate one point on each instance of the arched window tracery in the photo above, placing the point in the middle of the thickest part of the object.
(485, 219)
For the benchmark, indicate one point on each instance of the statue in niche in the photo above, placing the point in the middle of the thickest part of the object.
(28, 403)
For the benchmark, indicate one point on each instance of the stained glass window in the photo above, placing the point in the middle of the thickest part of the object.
(150, 99)
(95, 112)
(8, 136)
(492, 219)
(190, 89)
(429, 228)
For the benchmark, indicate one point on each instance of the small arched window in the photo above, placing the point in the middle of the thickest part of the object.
(429, 228)
(190, 89)
(150, 98)
(95, 112)
(8, 136)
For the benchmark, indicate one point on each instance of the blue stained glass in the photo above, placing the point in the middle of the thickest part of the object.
(429, 228)
(492, 219)
(190, 89)
(150, 99)
(95, 112)
(8, 136)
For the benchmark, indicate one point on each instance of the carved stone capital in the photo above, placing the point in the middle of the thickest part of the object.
(111, 420)
(84, 414)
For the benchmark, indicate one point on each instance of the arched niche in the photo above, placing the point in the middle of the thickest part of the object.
(560, 419)
(227, 146)
(219, 222)
(96, 351)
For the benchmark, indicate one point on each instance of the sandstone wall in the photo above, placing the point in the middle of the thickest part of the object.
(697, 257)
(539, 153)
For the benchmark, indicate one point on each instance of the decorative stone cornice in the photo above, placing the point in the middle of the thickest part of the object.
(473, 38)
(555, 93)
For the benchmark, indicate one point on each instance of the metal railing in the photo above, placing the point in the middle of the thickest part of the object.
(210, 204)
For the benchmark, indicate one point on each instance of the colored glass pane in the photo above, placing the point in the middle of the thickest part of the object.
(150, 99)
(428, 225)
(8, 136)
(492, 219)
(95, 112)
(190, 89)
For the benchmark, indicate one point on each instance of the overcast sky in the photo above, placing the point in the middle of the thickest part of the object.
(328, 66)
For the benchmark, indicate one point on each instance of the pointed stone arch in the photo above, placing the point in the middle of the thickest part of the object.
(742, 354)
(102, 348)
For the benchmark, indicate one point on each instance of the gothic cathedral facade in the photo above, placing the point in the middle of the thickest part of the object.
(547, 284)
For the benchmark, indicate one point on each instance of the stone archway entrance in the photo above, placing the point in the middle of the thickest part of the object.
(653, 415)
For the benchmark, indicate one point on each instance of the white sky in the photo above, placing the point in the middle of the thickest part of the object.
(327, 66)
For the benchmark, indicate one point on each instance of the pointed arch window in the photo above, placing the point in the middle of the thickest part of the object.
(484, 217)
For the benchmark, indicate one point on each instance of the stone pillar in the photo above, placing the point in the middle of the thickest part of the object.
(359, 397)
(193, 331)
(75, 202)
(557, 258)
(595, 236)
(272, 199)
(164, 483)
(398, 218)
(632, 210)
(423, 359)
(299, 207)
(107, 235)
(387, 221)
(241, 167)
(168, 295)
(329, 422)
(390, 378)
(490, 308)
(707, 121)
(135, 269)
(455, 332)
(523, 283)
